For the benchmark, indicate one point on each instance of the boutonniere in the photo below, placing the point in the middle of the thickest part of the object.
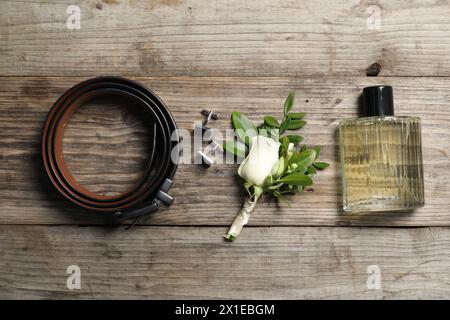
(275, 162)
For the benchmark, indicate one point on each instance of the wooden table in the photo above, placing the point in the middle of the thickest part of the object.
(230, 56)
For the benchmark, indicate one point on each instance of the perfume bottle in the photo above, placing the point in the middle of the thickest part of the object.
(381, 157)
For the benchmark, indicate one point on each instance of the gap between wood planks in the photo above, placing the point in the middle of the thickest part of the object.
(133, 76)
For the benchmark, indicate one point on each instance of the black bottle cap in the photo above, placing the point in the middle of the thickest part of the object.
(378, 101)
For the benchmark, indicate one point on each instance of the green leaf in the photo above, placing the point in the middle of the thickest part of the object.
(311, 170)
(304, 159)
(321, 165)
(303, 148)
(317, 149)
(271, 122)
(284, 125)
(268, 180)
(297, 115)
(295, 139)
(242, 122)
(276, 186)
(243, 126)
(298, 179)
(289, 103)
(296, 124)
(235, 147)
(284, 141)
(276, 194)
(268, 132)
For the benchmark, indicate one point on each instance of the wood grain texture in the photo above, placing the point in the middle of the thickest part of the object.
(105, 149)
(265, 263)
(217, 38)
(225, 55)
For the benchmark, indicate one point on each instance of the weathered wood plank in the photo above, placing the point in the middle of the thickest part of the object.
(183, 262)
(212, 38)
(105, 147)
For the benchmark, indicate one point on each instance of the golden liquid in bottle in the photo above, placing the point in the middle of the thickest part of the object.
(381, 163)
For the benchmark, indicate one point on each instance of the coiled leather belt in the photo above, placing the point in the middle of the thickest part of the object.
(147, 194)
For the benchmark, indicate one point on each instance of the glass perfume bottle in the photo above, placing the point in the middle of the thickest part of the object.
(381, 157)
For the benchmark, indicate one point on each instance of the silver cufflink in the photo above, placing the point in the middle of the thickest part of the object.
(209, 115)
(207, 154)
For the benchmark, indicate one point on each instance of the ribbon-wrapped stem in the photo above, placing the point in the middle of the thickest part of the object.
(242, 218)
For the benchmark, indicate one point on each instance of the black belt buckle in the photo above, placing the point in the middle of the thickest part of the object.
(161, 196)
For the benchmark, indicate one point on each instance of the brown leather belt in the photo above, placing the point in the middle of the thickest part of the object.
(147, 194)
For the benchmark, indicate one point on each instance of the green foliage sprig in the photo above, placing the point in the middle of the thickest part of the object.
(297, 163)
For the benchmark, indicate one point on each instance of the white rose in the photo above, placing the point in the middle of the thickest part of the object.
(259, 162)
